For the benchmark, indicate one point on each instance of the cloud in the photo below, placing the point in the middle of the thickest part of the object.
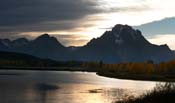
(164, 26)
(50, 15)
(72, 39)
(31, 18)
(18, 16)
(130, 9)
(164, 39)
(15, 12)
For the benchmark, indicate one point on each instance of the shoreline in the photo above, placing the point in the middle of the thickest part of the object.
(124, 76)
(71, 69)
(154, 78)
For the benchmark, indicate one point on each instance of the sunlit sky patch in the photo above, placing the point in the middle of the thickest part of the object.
(81, 20)
(164, 39)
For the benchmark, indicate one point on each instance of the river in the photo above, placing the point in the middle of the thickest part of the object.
(66, 87)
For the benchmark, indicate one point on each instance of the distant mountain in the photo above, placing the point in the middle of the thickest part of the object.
(121, 44)
(164, 26)
(3, 47)
(45, 46)
(8, 45)
(19, 42)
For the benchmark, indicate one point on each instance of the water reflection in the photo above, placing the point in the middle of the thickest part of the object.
(43, 91)
(66, 87)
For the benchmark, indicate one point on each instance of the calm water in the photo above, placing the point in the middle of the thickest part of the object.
(73, 87)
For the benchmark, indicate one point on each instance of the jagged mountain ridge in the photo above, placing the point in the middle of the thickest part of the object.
(121, 44)
(44, 46)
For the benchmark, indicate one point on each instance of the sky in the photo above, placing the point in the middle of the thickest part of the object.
(75, 22)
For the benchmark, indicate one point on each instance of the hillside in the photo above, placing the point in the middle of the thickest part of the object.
(121, 44)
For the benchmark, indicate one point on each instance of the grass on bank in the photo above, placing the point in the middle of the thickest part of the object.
(162, 93)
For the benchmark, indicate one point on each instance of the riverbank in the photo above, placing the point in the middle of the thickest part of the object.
(81, 69)
(143, 77)
(162, 93)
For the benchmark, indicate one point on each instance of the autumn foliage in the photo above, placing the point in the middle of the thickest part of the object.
(135, 68)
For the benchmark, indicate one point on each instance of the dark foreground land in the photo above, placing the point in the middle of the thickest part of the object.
(162, 93)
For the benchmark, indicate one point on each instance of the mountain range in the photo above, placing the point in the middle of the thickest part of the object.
(153, 28)
(121, 44)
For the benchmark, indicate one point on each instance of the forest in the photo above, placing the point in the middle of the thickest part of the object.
(147, 70)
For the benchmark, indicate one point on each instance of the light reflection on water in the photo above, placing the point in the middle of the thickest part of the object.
(73, 87)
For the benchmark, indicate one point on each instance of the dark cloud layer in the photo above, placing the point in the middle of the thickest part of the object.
(48, 15)
(18, 16)
(22, 12)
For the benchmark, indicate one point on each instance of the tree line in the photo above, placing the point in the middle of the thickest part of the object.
(148, 67)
